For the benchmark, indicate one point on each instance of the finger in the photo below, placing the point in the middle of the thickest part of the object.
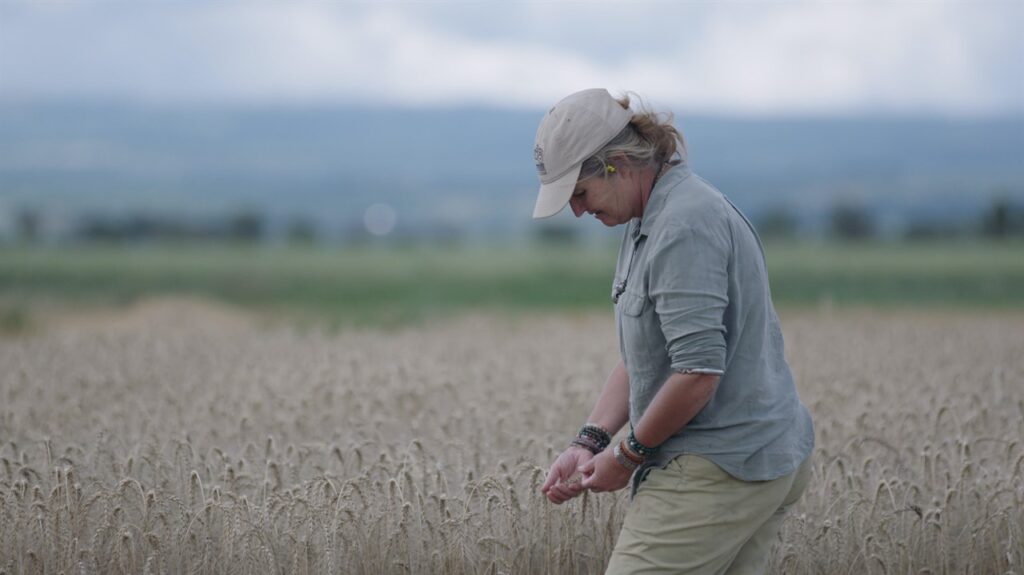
(569, 490)
(574, 489)
(558, 497)
(587, 468)
(550, 480)
(558, 490)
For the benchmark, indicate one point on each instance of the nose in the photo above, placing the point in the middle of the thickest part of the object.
(577, 206)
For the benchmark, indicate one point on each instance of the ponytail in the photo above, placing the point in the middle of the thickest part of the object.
(650, 139)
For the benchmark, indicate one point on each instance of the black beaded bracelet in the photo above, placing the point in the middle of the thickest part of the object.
(641, 449)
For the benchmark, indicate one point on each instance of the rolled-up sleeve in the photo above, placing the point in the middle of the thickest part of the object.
(689, 287)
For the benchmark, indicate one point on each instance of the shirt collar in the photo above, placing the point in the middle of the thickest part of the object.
(655, 203)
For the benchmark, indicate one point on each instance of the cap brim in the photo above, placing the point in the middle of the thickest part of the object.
(553, 197)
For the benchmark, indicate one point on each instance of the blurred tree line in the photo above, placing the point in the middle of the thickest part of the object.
(243, 226)
(1001, 219)
(845, 221)
(851, 221)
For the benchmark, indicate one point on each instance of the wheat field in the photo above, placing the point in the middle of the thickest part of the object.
(182, 438)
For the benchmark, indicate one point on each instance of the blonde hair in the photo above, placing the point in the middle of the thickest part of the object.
(650, 139)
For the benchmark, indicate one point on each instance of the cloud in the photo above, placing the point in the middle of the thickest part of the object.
(902, 56)
(736, 58)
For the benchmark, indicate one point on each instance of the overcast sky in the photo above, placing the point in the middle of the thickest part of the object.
(752, 57)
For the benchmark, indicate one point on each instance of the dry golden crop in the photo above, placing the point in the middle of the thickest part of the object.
(177, 445)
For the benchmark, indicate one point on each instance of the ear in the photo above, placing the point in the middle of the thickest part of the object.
(616, 164)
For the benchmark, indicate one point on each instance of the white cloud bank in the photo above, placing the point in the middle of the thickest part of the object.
(793, 57)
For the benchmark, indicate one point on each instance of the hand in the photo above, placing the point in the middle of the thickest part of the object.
(561, 485)
(604, 473)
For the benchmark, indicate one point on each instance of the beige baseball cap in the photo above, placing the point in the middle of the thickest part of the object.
(575, 129)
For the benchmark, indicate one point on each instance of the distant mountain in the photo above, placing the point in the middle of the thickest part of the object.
(471, 169)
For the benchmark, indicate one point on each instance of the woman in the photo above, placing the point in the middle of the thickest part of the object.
(719, 442)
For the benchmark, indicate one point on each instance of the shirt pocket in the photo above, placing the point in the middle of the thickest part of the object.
(632, 304)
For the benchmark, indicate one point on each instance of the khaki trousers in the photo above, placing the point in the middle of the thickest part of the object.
(692, 517)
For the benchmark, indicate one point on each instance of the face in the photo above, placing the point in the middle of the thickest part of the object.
(609, 199)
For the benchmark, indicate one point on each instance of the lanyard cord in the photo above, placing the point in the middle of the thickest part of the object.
(620, 287)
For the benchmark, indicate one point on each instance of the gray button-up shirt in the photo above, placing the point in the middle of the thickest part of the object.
(694, 297)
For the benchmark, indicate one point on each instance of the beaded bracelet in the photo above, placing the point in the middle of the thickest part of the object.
(588, 444)
(623, 460)
(596, 431)
(639, 448)
(597, 434)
